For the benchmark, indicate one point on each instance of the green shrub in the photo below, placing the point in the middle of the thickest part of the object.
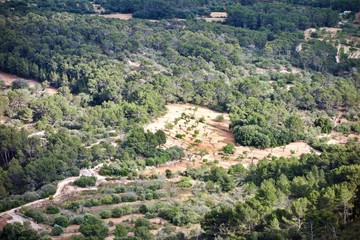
(93, 227)
(36, 215)
(229, 148)
(57, 230)
(219, 118)
(180, 136)
(324, 123)
(106, 199)
(355, 127)
(120, 231)
(142, 222)
(105, 214)
(116, 199)
(120, 189)
(52, 209)
(85, 181)
(117, 212)
(62, 221)
(344, 128)
(169, 173)
(129, 197)
(19, 84)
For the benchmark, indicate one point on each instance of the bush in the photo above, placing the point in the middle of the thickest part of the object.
(93, 227)
(92, 202)
(106, 199)
(129, 197)
(35, 214)
(52, 209)
(120, 231)
(324, 123)
(314, 35)
(77, 220)
(229, 148)
(355, 127)
(62, 221)
(120, 189)
(85, 181)
(117, 212)
(105, 214)
(142, 222)
(30, 196)
(180, 136)
(169, 173)
(116, 199)
(46, 190)
(343, 128)
(57, 230)
(19, 84)
(219, 118)
(143, 233)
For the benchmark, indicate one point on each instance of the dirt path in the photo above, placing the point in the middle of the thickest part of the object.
(123, 16)
(337, 58)
(13, 215)
(9, 78)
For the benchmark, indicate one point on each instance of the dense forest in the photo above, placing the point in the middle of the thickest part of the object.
(113, 77)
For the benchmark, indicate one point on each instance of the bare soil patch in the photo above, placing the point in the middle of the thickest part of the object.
(9, 78)
(123, 16)
(214, 19)
(352, 54)
(218, 14)
(212, 136)
(331, 31)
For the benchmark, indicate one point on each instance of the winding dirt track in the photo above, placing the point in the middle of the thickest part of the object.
(14, 216)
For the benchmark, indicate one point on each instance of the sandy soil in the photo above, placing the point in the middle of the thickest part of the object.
(9, 78)
(218, 14)
(338, 138)
(122, 16)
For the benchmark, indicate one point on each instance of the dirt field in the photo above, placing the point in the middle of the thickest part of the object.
(213, 135)
(122, 16)
(354, 54)
(9, 78)
(218, 14)
(330, 31)
(216, 17)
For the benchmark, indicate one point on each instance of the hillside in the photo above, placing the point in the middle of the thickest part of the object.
(168, 120)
